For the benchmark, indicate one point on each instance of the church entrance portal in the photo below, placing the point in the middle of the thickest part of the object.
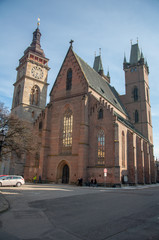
(65, 174)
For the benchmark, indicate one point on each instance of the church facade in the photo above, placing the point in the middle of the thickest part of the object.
(87, 130)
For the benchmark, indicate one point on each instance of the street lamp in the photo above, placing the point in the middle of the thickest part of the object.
(2, 137)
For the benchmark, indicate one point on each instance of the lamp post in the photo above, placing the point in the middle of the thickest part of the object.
(2, 137)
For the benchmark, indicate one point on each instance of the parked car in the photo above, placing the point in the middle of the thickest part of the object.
(11, 180)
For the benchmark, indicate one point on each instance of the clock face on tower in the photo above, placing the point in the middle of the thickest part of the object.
(37, 72)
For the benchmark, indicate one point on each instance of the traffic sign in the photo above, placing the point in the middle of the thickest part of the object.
(105, 170)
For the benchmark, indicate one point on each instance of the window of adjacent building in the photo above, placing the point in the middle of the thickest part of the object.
(101, 147)
(35, 95)
(123, 149)
(67, 129)
(69, 79)
(135, 93)
(100, 113)
(136, 116)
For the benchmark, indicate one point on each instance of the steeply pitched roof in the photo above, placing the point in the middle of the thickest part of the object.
(100, 85)
(135, 54)
(97, 66)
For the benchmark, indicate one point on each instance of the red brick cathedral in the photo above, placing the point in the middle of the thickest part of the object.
(87, 126)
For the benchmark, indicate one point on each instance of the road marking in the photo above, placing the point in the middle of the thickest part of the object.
(9, 193)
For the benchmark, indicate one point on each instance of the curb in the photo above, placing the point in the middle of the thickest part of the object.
(4, 204)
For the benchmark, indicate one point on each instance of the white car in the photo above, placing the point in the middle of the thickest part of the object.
(11, 180)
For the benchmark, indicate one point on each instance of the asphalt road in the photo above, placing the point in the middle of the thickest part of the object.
(61, 212)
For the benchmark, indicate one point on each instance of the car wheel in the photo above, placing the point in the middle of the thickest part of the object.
(18, 184)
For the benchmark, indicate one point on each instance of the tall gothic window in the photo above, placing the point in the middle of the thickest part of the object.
(123, 149)
(67, 130)
(35, 95)
(136, 116)
(69, 79)
(17, 97)
(101, 147)
(100, 113)
(147, 95)
(135, 93)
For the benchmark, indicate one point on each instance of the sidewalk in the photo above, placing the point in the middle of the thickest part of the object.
(4, 205)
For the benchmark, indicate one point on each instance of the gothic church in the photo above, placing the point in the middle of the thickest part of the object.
(87, 130)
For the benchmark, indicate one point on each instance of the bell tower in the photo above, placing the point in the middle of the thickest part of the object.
(30, 88)
(137, 98)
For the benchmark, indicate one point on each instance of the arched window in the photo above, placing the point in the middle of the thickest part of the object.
(101, 147)
(67, 129)
(35, 95)
(135, 93)
(123, 149)
(40, 125)
(18, 95)
(69, 79)
(100, 113)
(136, 116)
(37, 158)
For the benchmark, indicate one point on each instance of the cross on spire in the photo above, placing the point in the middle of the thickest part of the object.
(71, 42)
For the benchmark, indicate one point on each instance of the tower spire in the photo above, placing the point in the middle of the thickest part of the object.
(124, 58)
(35, 45)
(135, 54)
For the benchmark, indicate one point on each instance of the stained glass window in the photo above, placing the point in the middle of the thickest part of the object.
(101, 147)
(67, 128)
(123, 149)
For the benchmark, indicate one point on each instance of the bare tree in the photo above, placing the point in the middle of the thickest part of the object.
(18, 134)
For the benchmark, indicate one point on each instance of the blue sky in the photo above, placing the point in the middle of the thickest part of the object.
(92, 24)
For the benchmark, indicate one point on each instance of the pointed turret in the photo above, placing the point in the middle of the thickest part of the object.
(97, 66)
(135, 54)
(124, 58)
(136, 58)
(35, 45)
(108, 76)
(142, 56)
